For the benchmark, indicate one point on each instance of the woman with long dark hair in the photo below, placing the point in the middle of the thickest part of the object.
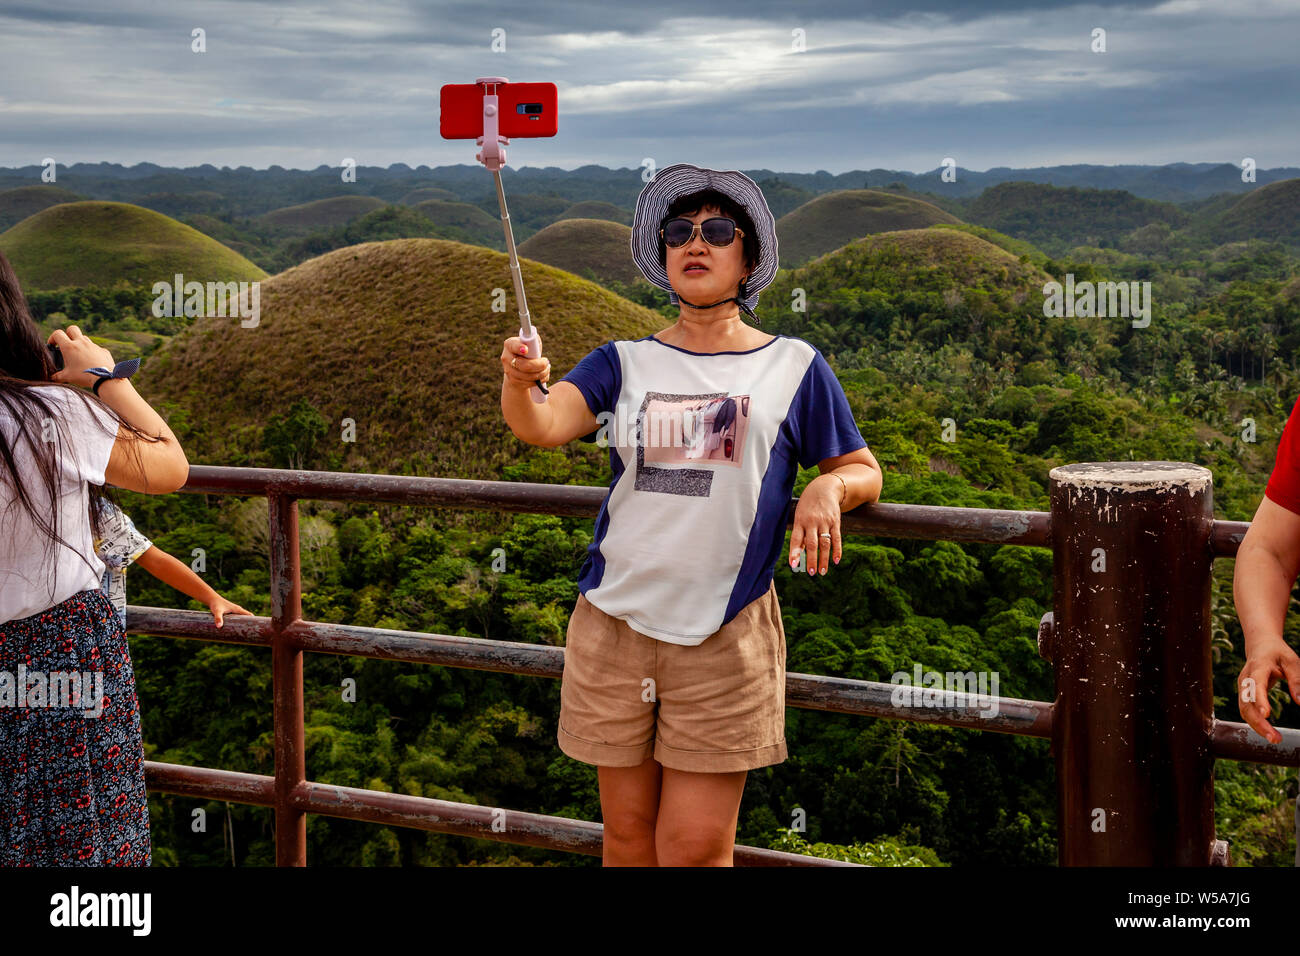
(71, 757)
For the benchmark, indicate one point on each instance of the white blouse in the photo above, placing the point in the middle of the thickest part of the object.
(28, 559)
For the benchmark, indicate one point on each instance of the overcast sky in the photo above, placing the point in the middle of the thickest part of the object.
(901, 84)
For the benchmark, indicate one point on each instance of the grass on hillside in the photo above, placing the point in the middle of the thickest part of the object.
(957, 253)
(399, 336)
(427, 192)
(461, 214)
(1045, 215)
(598, 209)
(323, 213)
(17, 204)
(576, 245)
(1269, 212)
(103, 243)
(1017, 247)
(834, 219)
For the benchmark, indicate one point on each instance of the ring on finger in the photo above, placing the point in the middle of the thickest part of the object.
(513, 361)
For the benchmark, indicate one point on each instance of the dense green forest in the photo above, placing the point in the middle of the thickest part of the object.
(1210, 380)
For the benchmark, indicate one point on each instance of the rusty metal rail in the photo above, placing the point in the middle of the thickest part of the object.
(420, 813)
(288, 636)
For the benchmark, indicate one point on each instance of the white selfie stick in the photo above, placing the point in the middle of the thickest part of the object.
(493, 156)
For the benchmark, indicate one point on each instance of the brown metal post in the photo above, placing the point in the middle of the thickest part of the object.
(286, 667)
(1131, 646)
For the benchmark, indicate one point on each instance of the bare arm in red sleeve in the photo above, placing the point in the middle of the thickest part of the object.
(1266, 568)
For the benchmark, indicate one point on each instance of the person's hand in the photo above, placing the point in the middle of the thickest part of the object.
(817, 514)
(522, 372)
(1268, 661)
(79, 354)
(220, 607)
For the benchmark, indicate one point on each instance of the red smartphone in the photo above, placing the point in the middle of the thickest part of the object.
(527, 109)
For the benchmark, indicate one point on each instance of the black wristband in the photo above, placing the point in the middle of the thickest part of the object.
(120, 370)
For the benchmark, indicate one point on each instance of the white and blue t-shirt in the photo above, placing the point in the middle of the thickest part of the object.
(704, 448)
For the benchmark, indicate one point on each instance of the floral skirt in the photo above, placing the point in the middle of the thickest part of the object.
(71, 756)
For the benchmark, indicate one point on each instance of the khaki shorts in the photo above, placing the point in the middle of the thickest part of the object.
(714, 707)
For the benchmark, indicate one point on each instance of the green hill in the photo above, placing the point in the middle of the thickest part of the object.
(398, 336)
(837, 218)
(959, 257)
(1056, 219)
(1017, 247)
(323, 213)
(17, 204)
(479, 227)
(528, 212)
(242, 236)
(576, 245)
(597, 209)
(199, 202)
(428, 192)
(935, 287)
(1269, 212)
(101, 243)
(782, 197)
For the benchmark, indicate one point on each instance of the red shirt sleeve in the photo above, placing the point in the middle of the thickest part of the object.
(1284, 483)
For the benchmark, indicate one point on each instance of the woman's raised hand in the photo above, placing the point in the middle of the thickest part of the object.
(520, 370)
(79, 354)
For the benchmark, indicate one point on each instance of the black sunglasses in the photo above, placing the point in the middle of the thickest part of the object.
(718, 231)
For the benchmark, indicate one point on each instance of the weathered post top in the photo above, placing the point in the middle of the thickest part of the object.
(1158, 476)
(1130, 642)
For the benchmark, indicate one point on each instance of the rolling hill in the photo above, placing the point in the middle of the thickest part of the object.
(479, 227)
(400, 337)
(967, 259)
(931, 282)
(247, 242)
(529, 212)
(1017, 247)
(428, 192)
(101, 243)
(1268, 212)
(597, 209)
(17, 204)
(575, 245)
(837, 218)
(1056, 219)
(782, 197)
(323, 213)
(199, 202)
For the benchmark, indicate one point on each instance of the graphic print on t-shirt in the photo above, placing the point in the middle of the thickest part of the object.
(680, 564)
(684, 430)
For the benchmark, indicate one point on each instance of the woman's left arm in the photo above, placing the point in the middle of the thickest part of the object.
(825, 498)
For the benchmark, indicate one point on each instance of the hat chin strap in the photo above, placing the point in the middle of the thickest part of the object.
(742, 305)
(746, 309)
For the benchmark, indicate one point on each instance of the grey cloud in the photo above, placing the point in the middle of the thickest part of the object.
(893, 85)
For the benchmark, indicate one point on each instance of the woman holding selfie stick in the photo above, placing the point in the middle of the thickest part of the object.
(674, 675)
(72, 787)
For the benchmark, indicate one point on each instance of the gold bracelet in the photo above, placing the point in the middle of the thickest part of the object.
(846, 487)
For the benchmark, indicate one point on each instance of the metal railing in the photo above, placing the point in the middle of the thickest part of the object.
(1144, 646)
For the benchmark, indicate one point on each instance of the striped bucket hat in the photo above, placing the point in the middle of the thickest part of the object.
(673, 181)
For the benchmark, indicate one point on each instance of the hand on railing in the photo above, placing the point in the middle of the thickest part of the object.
(816, 528)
